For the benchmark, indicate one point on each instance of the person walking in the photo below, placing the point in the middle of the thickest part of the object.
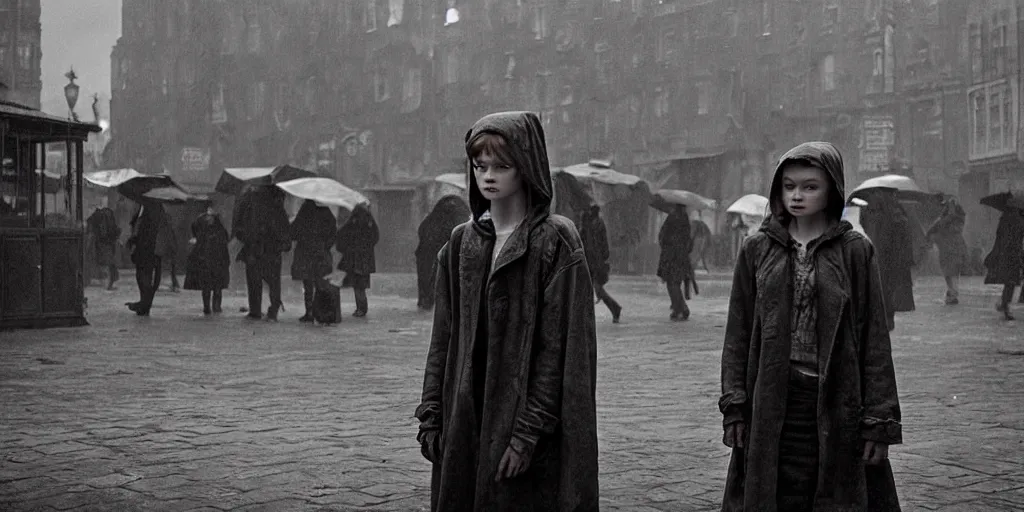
(1005, 262)
(594, 234)
(674, 262)
(102, 225)
(262, 227)
(313, 231)
(947, 232)
(208, 266)
(809, 398)
(146, 227)
(508, 416)
(450, 211)
(167, 250)
(356, 240)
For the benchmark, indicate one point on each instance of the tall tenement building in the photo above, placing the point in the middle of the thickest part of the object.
(20, 36)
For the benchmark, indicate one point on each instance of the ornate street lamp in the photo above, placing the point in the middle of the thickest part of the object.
(71, 92)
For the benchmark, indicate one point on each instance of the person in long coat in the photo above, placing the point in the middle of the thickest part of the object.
(313, 231)
(508, 415)
(355, 242)
(146, 226)
(595, 244)
(809, 399)
(450, 211)
(261, 224)
(888, 226)
(674, 262)
(167, 249)
(948, 234)
(102, 225)
(208, 266)
(1005, 263)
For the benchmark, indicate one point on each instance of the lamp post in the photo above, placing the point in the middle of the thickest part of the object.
(71, 92)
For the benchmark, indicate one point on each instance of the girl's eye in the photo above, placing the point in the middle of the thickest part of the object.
(812, 187)
(789, 186)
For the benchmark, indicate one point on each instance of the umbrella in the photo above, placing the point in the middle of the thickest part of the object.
(135, 185)
(570, 196)
(666, 199)
(906, 188)
(1003, 201)
(324, 191)
(455, 179)
(232, 180)
(603, 175)
(751, 204)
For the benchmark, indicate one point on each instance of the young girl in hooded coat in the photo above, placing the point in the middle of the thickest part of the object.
(508, 416)
(808, 387)
(208, 266)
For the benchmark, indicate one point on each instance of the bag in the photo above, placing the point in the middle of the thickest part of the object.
(326, 303)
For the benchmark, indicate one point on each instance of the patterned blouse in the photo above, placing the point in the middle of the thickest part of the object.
(804, 345)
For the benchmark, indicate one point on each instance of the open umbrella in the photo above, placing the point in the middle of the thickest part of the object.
(324, 191)
(455, 179)
(1004, 201)
(135, 185)
(233, 179)
(666, 199)
(905, 187)
(751, 204)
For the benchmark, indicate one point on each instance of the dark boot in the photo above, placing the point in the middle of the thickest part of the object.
(217, 297)
(362, 305)
(206, 302)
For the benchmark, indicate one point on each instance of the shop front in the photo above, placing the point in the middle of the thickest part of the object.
(41, 226)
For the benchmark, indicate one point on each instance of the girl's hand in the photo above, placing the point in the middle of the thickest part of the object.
(512, 464)
(875, 453)
(735, 434)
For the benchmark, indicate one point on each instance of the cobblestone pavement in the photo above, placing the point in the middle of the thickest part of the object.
(185, 412)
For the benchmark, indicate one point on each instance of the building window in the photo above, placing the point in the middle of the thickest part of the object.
(660, 102)
(540, 21)
(879, 63)
(976, 54)
(381, 88)
(231, 34)
(370, 16)
(890, 60)
(828, 73)
(732, 23)
(999, 41)
(25, 56)
(666, 45)
(254, 35)
(992, 120)
(395, 12)
(703, 98)
(766, 17)
(450, 74)
(257, 99)
(412, 89)
(831, 14)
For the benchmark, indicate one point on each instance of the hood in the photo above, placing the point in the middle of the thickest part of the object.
(826, 157)
(524, 136)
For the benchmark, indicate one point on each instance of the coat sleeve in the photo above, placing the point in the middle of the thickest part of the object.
(736, 350)
(601, 241)
(429, 411)
(566, 330)
(881, 419)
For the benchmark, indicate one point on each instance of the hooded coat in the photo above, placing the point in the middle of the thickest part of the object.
(433, 233)
(208, 266)
(356, 240)
(313, 231)
(676, 243)
(595, 244)
(948, 234)
(892, 233)
(857, 398)
(522, 337)
(1005, 263)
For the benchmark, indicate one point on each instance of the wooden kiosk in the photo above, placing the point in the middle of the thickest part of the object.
(41, 227)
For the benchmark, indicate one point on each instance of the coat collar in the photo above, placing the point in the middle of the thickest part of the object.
(778, 232)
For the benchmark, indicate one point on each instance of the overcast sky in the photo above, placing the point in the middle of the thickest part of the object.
(79, 33)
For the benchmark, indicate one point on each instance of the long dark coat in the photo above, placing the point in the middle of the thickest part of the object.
(539, 368)
(889, 227)
(261, 224)
(595, 245)
(313, 231)
(948, 234)
(675, 241)
(434, 232)
(147, 227)
(208, 266)
(857, 399)
(105, 233)
(1005, 263)
(356, 240)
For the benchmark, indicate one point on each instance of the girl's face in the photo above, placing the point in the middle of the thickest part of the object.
(496, 179)
(805, 190)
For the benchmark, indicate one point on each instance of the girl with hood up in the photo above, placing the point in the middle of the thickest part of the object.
(808, 386)
(508, 416)
(208, 266)
(355, 241)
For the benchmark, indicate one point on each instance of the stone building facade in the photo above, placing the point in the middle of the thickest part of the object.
(20, 54)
